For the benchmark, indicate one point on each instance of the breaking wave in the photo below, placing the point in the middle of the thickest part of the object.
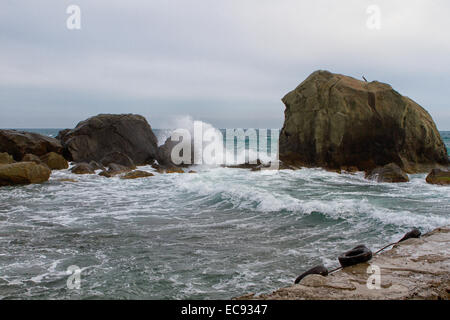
(215, 234)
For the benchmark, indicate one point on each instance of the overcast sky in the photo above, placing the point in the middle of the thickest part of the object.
(226, 62)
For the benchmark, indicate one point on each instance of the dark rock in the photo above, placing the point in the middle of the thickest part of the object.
(31, 158)
(164, 156)
(106, 174)
(285, 166)
(114, 169)
(55, 161)
(117, 168)
(389, 173)
(350, 169)
(96, 137)
(280, 165)
(259, 165)
(23, 173)
(438, 176)
(61, 134)
(19, 143)
(167, 168)
(118, 158)
(96, 166)
(60, 137)
(5, 158)
(156, 165)
(82, 168)
(332, 121)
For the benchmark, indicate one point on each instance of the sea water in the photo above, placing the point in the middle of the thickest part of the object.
(216, 234)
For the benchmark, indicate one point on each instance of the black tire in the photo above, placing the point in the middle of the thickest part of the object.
(357, 255)
(316, 270)
(414, 233)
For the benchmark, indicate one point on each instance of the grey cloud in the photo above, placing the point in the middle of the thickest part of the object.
(226, 62)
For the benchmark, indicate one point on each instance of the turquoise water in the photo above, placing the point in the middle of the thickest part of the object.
(212, 235)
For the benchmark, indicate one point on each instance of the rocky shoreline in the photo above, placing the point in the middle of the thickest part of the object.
(331, 121)
(27, 158)
(348, 126)
(417, 268)
(113, 143)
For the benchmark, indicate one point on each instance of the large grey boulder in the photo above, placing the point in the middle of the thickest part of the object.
(98, 136)
(332, 120)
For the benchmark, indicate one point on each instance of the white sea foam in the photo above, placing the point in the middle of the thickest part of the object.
(222, 230)
(209, 148)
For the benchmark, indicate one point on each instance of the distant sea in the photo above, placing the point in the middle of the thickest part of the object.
(162, 134)
(216, 234)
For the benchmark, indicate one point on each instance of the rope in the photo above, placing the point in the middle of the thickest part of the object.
(338, 268)
(390, 244)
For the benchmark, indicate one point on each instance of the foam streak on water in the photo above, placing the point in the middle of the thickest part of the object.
(215, 234)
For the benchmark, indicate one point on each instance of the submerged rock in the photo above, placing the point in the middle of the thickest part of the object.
(389, 173)
(113, 170)
(55, 161)
(136, 174)
(118, 168)
(96, 166)
(5, 158)
(82, 168)
(166, 168)
(438, 176)
(173, 170)
(106, 174)
(19, 143)
(259, 165)
(66, 180)
(332, 120)
(23, 173)
(247, 165)
(97, 137)
(279, 165)
(350, 169)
